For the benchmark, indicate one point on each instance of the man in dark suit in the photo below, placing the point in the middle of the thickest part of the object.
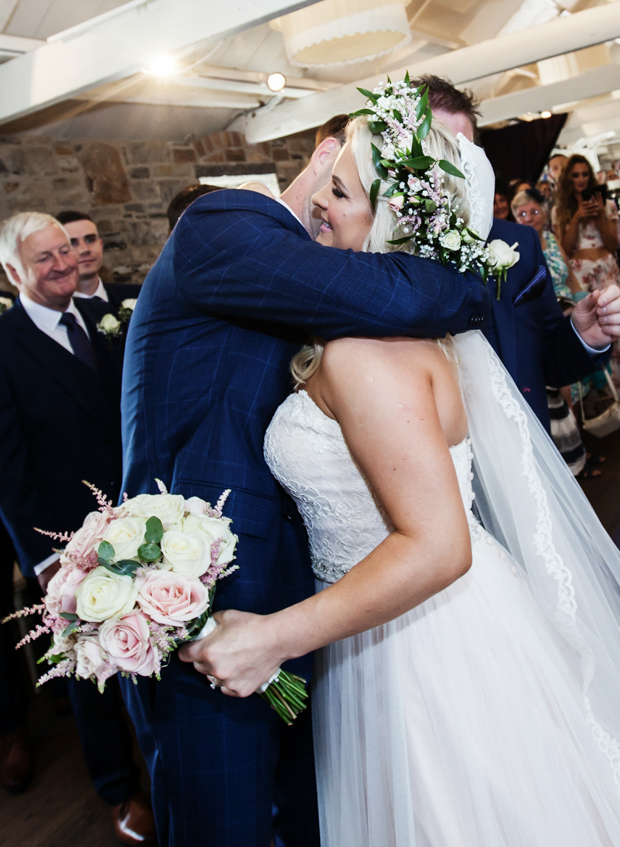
(226, 306)
(59, 425)
(87, 245)
(538, 344)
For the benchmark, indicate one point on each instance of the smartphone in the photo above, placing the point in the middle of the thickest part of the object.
(588, 193)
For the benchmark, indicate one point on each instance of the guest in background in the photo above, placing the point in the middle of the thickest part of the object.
(59, 425)
(501, 201)
(586, 228)
(529, 208)
(87, 245)
(555, 166)
(185, 198)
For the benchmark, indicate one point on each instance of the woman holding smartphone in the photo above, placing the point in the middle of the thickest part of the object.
(586, 226)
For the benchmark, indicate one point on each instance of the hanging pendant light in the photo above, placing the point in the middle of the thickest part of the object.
(338, 32)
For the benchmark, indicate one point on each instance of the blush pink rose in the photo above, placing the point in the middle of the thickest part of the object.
(171, 598)
(127, 642)
(60, 595)
(89, 535)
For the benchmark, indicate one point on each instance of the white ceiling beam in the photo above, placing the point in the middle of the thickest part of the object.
(15, 45)
(121, 44)
(542, 98)
(563, 35)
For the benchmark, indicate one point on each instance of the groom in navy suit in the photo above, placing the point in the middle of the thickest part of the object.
(236, 289)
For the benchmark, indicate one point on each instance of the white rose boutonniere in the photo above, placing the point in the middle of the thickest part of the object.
(502, 257)
(5, 304)
(109, 326)
(126, 309)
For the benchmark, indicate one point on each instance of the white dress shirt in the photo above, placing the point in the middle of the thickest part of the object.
(100, 292)
(48, 321)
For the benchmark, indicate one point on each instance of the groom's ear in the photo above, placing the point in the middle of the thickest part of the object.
(325, 155)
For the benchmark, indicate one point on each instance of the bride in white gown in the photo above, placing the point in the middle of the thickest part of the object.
(468, 689)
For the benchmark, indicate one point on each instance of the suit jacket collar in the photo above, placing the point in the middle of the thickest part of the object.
(248, 201)
(87, 388)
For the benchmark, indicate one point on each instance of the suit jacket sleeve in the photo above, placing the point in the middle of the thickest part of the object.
(565, 359)
(259, 263)
(19, 499)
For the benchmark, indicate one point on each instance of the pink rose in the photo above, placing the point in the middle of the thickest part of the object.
(90, 534)
(171, 598)
(60, 595)
(91, 660)
(128, 644)
(396, 203)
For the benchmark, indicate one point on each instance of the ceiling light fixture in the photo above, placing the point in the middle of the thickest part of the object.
(545, 114)
(276, 82)
(162, 66)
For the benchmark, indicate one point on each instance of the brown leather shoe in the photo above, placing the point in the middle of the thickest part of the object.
(134, 822)
(15, 761)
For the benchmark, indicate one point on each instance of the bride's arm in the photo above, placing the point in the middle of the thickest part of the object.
(388, 414)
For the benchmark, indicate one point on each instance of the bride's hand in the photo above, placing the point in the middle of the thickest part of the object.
(241, 654)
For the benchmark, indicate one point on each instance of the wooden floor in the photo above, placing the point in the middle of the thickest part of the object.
(61, 808)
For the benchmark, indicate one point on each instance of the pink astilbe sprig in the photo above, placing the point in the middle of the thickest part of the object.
(65, 537)
(37, 632)
(216, 571)
(105, 504)
(219, 506)
(161, 486)
(39, 609)
(66, 667)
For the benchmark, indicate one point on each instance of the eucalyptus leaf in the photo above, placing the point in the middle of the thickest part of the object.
(374, 190)
(449, 168)
(154, 531)
(127, 567)
(149, 552)
(376, 157)
(69, 629)
(425, 126)
(105, 551)
(69, 616)
(111, 567)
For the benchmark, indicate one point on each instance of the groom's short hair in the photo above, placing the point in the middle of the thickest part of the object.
(443, 95)
(333, 128)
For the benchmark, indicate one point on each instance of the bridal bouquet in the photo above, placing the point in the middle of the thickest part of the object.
(135, 582)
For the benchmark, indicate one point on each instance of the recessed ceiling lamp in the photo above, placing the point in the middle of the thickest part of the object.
(162, 66)
(343, 31)
(276, 82)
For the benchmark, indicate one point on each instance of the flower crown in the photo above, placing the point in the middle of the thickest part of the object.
(416, 193)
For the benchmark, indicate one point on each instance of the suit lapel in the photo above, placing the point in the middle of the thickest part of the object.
(504, 312)
(78, 380)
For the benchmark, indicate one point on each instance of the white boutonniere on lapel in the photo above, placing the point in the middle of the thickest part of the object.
(110, 327)
(501, 257)
(126, 309)
(5, 304)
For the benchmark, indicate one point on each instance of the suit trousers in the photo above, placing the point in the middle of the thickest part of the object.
(13, 682)
(226, 772)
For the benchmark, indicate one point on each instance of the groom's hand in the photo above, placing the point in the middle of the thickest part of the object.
(241, 654)
(597, 317)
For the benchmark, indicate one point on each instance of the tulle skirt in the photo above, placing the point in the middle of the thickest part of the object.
(461, 724)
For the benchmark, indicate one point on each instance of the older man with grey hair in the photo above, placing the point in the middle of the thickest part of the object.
(59, 425)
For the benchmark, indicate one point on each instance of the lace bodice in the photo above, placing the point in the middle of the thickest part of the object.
(307, 453)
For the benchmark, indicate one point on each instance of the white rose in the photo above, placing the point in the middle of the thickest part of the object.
(451, 240)
(103, 595)
(125, 535)
(213, 529)
(185, 553)
(501, 255)
(130, 303)
(109, 323)
(168, 508)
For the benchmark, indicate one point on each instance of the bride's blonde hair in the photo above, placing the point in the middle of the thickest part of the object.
(440, 144)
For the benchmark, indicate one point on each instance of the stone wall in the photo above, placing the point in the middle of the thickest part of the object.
(127, 186)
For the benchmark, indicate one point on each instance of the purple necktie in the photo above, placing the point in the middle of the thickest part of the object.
(79, 341)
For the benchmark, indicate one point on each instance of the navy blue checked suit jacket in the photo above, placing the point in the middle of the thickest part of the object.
(226, 306)
(536, 343)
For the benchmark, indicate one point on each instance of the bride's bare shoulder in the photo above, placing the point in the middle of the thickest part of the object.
(363, 353)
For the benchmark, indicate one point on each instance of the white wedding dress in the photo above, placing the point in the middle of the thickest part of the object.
(462, 723)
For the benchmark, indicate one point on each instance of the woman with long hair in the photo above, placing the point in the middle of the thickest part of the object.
(585, 226)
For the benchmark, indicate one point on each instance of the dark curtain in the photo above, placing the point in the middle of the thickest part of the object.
(521, 151)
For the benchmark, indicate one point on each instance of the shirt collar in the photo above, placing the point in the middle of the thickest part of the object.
(43, 316)
(286, 206)
(99, 292)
